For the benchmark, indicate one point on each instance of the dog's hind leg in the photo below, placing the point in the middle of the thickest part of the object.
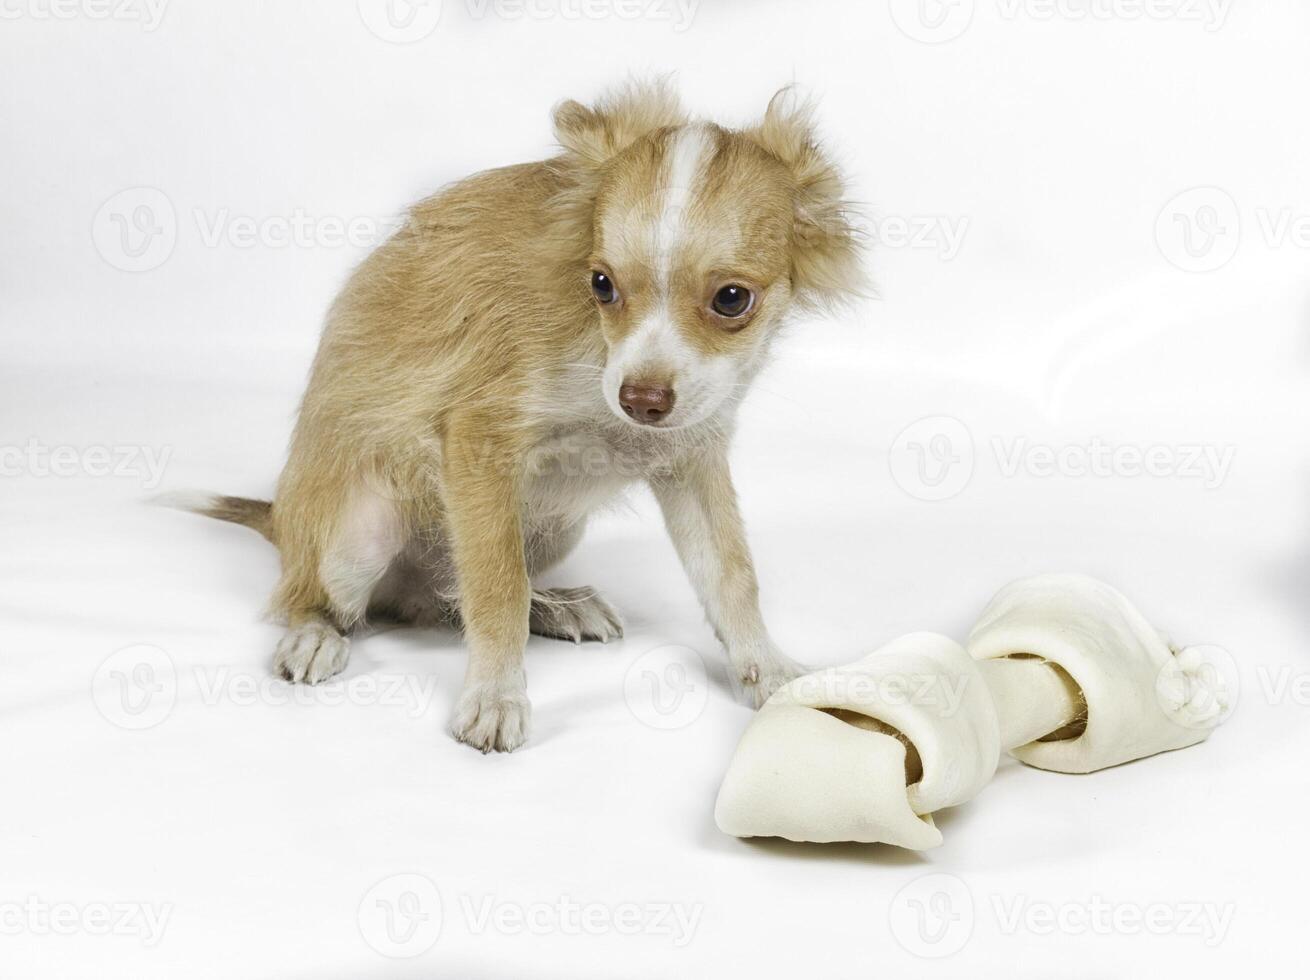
(573, 614)
(369, 534)
(576, 614)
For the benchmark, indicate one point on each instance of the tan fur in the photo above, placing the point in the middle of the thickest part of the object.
(461, 382)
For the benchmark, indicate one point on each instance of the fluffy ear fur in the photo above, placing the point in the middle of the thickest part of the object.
(828, 267)
(595, 134)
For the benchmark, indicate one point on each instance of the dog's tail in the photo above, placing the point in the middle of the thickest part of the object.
(254, 514)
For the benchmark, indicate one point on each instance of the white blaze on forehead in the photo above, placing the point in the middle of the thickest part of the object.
(655, 343)
(656, 350)
(685, 163)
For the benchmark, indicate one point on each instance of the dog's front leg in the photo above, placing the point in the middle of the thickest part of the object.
(481, 498)
(700, 510)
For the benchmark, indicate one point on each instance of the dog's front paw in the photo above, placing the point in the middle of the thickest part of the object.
(573, 614)
(761, 676)
(310, 653)
(492, 716)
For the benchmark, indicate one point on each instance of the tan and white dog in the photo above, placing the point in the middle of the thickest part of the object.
(533, 340)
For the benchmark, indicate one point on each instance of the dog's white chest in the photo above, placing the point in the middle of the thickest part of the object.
(572, 474)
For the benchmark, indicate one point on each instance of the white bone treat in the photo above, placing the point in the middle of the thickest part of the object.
(796, 752)
(804, 775)
(1122, 666)
(868, 752)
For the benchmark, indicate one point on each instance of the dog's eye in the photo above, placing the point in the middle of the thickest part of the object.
(603, 287)
(732, 301)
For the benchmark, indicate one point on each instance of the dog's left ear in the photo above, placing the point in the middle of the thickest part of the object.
(827, 268)
(595, 134)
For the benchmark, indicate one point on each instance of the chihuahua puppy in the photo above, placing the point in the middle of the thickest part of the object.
(533, 340)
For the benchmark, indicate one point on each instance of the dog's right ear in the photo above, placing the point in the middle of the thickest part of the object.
(827, 263)
(595, 134)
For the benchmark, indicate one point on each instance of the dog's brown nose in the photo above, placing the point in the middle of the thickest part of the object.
(646, 403)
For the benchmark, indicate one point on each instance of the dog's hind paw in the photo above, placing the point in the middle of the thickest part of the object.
(573, 614)
(492, 717)
(311, 652)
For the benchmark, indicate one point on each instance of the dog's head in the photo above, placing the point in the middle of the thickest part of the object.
(702, 238)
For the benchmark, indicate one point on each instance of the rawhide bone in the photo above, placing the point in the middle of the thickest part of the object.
(1061, 671)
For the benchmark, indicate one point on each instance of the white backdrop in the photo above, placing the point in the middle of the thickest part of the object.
(1089, 353)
